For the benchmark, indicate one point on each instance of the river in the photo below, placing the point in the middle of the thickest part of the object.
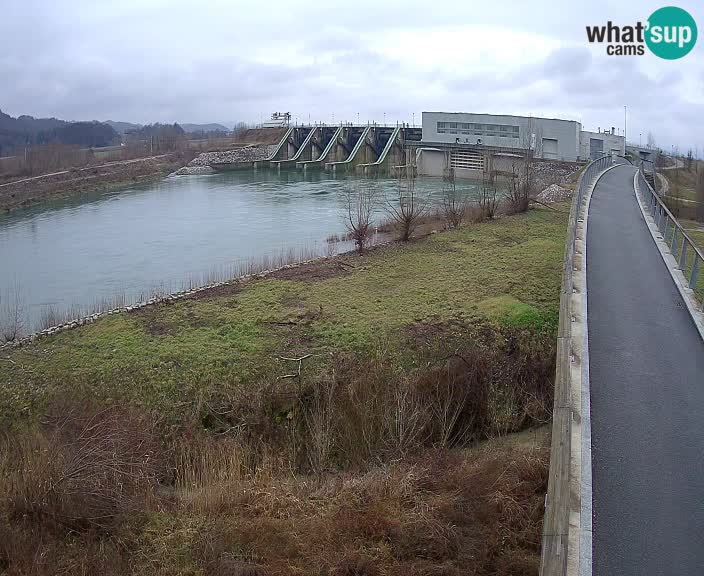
(68, 256)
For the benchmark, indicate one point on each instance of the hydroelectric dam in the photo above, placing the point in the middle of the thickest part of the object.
(362, 149)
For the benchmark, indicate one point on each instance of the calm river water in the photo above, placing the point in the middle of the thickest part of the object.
(70, 254)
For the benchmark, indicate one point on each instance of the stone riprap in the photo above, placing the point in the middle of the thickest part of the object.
(201, 163)
(152, 301)
(547, 172)
(554, 193)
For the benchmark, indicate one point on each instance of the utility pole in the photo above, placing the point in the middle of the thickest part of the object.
(624, 128)
(414, 119)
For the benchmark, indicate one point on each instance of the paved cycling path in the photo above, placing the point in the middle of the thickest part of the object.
(646, 365)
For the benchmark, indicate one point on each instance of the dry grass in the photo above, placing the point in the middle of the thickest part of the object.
(367, 468)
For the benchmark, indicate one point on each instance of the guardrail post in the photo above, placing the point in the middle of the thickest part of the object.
(674, 245)
(683, 256)
(695, 272)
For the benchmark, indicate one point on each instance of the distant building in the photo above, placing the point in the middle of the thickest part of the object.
(278, 120)
(548, 138)
(592, 145)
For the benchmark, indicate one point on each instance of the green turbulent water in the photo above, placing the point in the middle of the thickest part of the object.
(75, 252)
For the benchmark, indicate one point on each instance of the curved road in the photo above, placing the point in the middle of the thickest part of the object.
(646, 364)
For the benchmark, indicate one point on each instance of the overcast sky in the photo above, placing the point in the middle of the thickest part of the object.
(222, 61)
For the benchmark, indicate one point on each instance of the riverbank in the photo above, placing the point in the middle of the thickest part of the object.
(339, 417)
(28, 191)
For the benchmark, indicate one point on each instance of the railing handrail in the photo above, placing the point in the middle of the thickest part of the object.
(672, 216)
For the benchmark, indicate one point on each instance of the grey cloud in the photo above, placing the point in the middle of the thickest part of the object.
(160, 60)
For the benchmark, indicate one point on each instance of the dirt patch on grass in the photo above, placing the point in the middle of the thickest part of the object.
(217, 291)
(316, 271)
(154, 322)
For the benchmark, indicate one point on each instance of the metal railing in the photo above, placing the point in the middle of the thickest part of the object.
(689, 257)
(647, 167)
(590, 173)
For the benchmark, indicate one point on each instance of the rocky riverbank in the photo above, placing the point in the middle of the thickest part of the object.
(201, 163)
(29, 191)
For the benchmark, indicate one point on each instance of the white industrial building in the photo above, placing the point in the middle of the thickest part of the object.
(462, 140)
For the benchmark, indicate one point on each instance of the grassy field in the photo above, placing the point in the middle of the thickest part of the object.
(166, 357)
(361, 415)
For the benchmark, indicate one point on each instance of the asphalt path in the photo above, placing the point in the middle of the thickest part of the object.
(646, 365)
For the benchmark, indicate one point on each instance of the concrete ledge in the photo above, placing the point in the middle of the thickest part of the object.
(567, 528)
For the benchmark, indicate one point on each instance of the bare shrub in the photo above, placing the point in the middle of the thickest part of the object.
(520, 185)
(361, 201)
(236, 496)
(408, 207)
(85, 470)
(12, 314)
(454, 204)
(488, 199)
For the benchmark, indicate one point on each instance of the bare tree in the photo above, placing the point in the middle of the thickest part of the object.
(651, 141)
(488, 198)
(520, 186)
(408, 207)
(523, 180)
(11, 314)
(454, 203)
(362, 197)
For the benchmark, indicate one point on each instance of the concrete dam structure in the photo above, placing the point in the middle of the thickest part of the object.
(362, 149)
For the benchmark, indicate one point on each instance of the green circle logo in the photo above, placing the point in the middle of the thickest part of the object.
(670, 33)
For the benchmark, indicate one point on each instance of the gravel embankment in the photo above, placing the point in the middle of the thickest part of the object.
(201, 163)
(547, 173)
(554, 193)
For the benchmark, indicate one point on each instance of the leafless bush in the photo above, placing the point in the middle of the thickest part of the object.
(84, 470)
(520, 186)
(361, 201)
(488, 198)
(408, 207)
(235, 494)
(364, 409)
(454, 204)
(12, 314)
